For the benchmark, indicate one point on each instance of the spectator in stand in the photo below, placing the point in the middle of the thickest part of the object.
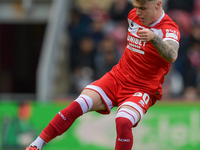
(186, 5)
(196, 9)
(192, 76)
(107, 56)
(119, 34)
(119, 10)
(183, 19)
(117, 26)
(95, 31)
(76, 29)
(183, 64)
(83, 64)
(173, 85)
(194, 59)
(99, 18)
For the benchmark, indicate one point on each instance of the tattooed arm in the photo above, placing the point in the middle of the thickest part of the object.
(167, 50)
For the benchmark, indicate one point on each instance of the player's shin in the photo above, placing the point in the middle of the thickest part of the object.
(64, 119)
(125, 120)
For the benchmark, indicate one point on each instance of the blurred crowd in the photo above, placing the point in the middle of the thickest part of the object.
(98, 39)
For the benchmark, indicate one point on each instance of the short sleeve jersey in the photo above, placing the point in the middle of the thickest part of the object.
(141, 67)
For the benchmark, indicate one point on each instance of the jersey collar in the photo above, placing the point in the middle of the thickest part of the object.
(161, 17)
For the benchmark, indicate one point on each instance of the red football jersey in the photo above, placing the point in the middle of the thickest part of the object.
(141, 67)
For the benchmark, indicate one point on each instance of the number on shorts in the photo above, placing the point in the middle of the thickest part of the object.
(145, 96)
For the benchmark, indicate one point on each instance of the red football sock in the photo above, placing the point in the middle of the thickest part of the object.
(124, 139)
(61, 122)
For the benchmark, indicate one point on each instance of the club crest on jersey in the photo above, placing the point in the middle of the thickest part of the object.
(138, 31)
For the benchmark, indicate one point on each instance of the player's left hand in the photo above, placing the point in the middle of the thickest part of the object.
(146, 35)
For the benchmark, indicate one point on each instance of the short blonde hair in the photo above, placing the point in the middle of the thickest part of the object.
(142, 2)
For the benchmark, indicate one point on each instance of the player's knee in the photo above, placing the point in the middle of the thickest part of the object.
(125, 115)
(85, 102)
(122, 124)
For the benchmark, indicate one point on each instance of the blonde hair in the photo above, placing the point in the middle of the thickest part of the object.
(142, 2)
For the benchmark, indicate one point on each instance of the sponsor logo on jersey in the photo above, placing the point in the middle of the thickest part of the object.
(135, 50)
(135, 44)
(135, 40)
(172, 34)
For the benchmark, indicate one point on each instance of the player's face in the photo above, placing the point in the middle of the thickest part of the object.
(146, 12)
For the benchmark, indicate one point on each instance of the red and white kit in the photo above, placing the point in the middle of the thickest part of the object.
(139, 75)
(136, 81)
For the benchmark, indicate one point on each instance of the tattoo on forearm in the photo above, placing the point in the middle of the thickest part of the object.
(167, 51)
